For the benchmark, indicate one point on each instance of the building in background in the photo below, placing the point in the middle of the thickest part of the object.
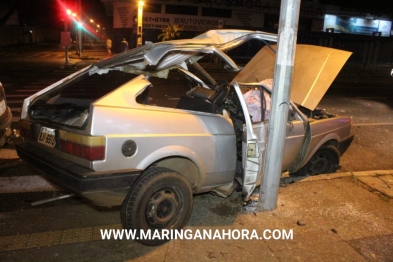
(351, 27)
(202, 15)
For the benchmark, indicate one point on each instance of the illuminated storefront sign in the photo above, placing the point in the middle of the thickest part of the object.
(124, 16)
(354, 25)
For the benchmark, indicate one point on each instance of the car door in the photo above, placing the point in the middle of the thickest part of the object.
(253, 149)
(294, 139)
(254, 136)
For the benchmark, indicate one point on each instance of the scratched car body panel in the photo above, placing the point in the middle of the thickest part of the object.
(98, 134)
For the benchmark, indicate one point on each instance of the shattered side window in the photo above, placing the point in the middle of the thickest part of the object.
(258, 101)
(166, 92)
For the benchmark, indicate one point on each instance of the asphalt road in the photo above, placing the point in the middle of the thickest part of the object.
(371, 109)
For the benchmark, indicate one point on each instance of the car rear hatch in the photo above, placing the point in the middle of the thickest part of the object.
(58, 119)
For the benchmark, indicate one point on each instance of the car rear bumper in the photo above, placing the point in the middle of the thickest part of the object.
(345, 143)
(102, 188)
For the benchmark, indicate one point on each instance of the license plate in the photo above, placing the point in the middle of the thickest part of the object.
(2, 107)
(47, 136)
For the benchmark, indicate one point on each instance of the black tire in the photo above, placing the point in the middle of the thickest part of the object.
(326, 160)
(161, 199)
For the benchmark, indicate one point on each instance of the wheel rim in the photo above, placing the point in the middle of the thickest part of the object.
(162, 208)
(319, 164)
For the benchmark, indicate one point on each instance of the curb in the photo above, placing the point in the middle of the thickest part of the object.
(348, 174)
(376, 180)
(372, 173)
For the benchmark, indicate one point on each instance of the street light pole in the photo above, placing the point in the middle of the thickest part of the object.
(65, 37)
(66, 47)
(91, 39)
(98, 31)
(139, 26)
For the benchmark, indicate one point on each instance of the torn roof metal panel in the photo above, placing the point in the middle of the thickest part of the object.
(169, 54)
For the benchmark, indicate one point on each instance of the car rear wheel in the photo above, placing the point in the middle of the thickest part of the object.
(162, 199)
(325, 160)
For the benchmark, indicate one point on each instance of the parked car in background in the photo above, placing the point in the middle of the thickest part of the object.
(100, 134)
(5, 118)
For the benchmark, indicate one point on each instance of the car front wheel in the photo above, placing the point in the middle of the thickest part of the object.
(325, 160)
(162, 199)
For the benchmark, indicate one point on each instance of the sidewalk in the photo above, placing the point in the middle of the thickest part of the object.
(333, 217)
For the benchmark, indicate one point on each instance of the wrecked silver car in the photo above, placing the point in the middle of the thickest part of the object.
(102, 135)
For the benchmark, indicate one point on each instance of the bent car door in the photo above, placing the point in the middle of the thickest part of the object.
(253, 148)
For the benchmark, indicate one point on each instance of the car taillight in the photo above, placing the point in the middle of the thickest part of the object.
(87, 147)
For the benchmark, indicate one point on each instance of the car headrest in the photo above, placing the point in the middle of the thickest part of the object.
(202, 93)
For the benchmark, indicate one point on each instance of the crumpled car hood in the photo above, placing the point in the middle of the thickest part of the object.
(315, 68)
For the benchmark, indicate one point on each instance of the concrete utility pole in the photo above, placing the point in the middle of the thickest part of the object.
(285, 57)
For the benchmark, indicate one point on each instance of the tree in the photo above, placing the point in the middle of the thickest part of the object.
(170, 32)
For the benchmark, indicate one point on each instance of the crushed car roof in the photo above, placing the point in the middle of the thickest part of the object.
(314, 70)
(156, 58)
